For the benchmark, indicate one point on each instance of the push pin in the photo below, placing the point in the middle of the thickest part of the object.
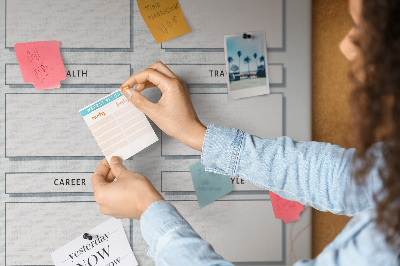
(87, 236)
(246, 36)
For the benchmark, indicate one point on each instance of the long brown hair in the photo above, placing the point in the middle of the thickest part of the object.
(375, 103)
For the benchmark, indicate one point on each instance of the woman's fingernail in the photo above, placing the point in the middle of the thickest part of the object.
(115, 160)
(125, 88)
(128, 94)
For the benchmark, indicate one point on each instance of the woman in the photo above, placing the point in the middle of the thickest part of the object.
(362, 182)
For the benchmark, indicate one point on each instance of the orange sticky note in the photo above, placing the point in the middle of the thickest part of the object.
(41, 63)
(288, 211)
(164, 18)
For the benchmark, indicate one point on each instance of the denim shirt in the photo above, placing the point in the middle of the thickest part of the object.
(312, 173)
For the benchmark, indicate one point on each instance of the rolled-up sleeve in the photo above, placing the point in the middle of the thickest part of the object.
(313, 173)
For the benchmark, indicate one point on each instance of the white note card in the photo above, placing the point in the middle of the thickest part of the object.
(108, 247)
(118, 126)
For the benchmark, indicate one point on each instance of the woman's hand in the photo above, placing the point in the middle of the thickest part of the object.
(174, 113)
(128, 196)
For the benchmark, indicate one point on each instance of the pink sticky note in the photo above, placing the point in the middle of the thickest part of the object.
(41, 63)
(284, 209)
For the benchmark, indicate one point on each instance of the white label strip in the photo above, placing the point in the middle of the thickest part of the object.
(79, 74)
(216, 74)
(210, 20)
(75, 23)
(181, 182)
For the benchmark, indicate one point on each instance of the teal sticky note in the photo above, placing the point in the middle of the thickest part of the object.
(209, 186)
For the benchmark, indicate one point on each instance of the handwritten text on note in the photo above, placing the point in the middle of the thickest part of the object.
(41, 63)
(287, 210)
(164, 18)
(209, 186)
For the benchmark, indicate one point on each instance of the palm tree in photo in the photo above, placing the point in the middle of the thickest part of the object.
(255, 60)
(262, 59)
(247, 60)
(234, 68)
(239, 53)
(230, 59)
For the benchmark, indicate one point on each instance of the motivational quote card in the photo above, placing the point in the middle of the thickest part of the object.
(118, 126)
(164, 18)
(108, 246)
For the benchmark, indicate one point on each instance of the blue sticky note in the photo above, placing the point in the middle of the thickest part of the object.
(209, 186)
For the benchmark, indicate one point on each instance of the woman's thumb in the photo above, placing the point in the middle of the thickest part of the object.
(116, 166)
(138, 100)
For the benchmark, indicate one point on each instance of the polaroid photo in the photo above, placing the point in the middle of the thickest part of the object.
(246, 64)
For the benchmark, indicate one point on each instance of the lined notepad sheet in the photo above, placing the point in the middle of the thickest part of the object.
(118, 126)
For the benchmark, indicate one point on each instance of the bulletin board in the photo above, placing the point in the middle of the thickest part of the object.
(331, 90)
(49, 154)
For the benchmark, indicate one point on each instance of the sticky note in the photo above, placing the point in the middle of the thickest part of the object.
(288, 211)
(164, 18)
(108, 246)
(209, 186)
(41, 64)
(119, 128)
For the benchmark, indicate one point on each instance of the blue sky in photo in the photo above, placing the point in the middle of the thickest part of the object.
(248, 47)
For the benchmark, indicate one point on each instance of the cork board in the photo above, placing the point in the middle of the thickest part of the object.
(331, 89)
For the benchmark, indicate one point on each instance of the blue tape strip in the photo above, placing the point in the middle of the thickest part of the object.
(101, 103)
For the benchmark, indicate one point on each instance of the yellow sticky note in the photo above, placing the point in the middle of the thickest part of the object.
(164, 18)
